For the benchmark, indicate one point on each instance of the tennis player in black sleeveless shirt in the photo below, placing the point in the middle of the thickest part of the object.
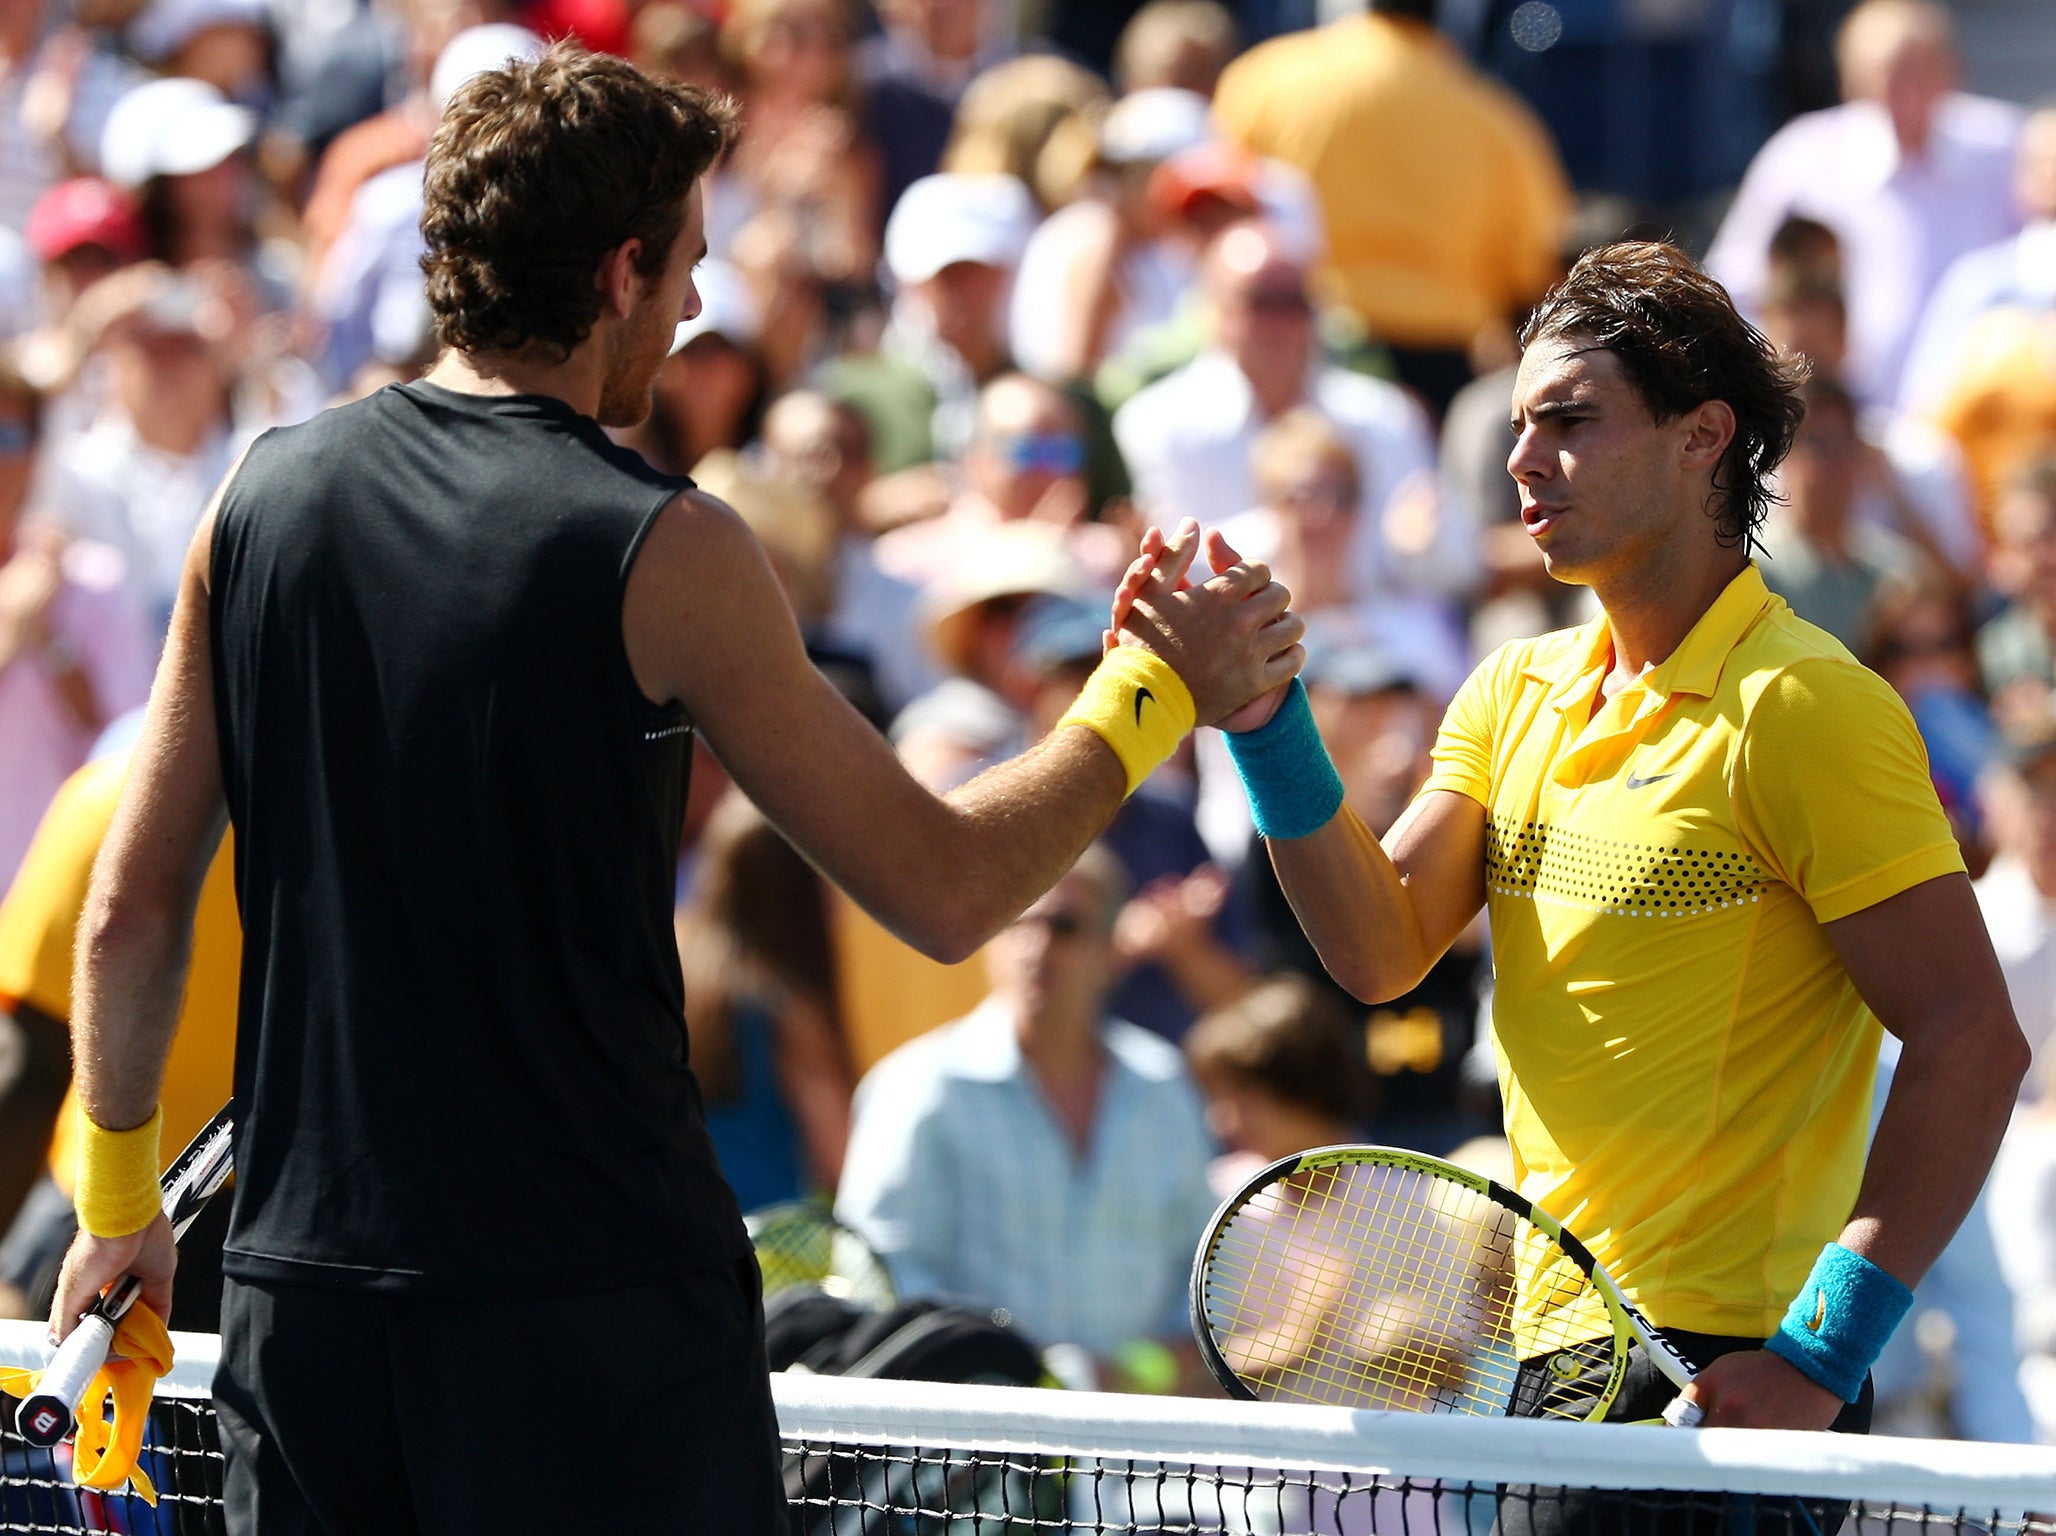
(439, 654)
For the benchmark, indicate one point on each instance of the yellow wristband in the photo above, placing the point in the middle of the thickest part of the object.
(1137, 705)
(116, 1191)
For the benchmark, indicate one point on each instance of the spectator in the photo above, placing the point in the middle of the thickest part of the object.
(951, 246)
(57, 85)
(760, 983)
(2019, 273)
(1444, 200)
(1923, 645)
(74, 651)
(141, 475)
(1306, 524)
(1188, 437)
(2022, 1198)
(824, 443)
(803, 161)
(972, 612)
(1182, 44)
(1033, 118)
(1913, 483)
(80, 231)
(1039, 1155)
(711, 391)
(1823, 561)
(1909, 172)
(1025, 464)
(226, 43)
(182, 149)
(1099, 270)
(2016, 648)
(1282, 1073)
(914, 73)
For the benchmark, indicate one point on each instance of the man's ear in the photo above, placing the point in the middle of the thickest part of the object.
(1709, 428)
(620, 283)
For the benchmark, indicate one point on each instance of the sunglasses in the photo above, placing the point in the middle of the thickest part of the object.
(1278, 301)
(1056, 453)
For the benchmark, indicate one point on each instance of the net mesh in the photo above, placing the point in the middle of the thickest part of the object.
(872, 1458)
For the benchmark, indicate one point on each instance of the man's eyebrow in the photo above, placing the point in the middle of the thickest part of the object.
(1549, 408)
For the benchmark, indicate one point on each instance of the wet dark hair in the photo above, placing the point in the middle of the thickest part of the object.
(1681, 343)
(537, 171)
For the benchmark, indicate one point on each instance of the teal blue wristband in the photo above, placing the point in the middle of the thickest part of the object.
(1839, 1324)
(1292, 785)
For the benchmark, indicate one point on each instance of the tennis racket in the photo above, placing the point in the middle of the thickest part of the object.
(800, 1242)
(50, 1414)
(1370, 1277)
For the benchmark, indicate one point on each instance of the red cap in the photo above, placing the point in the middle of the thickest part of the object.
(1206, 170)
(84, 211)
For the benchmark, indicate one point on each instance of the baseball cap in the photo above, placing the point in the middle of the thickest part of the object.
(476, 50)
(727, 307)
(163, 27)
(84, 211)
(1152, 125)
(953, 216)
(1059, 632)
(1012, 560)
(171, 127)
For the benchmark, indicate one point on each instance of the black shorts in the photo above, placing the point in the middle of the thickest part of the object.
(1569, 1381)
(647, 1410)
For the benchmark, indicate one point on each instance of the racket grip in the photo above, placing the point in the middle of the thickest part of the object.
(46, 1416)
(1683, 1413)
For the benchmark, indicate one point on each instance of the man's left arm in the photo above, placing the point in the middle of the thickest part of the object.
(1924, 964)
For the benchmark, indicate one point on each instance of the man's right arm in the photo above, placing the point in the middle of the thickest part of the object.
(706, 624)
(1381, 915)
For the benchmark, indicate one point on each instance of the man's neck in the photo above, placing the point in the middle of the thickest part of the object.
(1650, 615)
(576, 381)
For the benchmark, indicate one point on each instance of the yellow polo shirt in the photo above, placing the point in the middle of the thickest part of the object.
(39, 925)
(1686, 1065)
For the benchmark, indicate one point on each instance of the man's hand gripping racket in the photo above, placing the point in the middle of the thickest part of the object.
(1369, 1277)
(50, 1412)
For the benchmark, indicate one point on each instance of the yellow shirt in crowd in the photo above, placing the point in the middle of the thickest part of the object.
(38, 925)
(1444, 200)
(2002, 407)
(1686, 1065)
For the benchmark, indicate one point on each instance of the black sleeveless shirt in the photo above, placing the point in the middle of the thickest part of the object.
(461, 1062)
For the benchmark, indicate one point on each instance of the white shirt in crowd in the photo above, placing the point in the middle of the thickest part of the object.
(1901, 222)
(106, 483)
(1187, 441)
(94, 618)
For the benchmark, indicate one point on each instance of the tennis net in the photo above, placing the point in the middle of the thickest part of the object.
(880, 1458)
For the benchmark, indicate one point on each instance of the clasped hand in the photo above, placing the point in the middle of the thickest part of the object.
(1232, 638)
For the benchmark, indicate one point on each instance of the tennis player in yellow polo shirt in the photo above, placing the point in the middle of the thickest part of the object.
(1714, 866)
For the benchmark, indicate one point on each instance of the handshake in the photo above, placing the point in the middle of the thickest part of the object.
(1232, 638)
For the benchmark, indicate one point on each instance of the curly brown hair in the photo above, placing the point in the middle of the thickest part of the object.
(536, 172)
(1681, 342)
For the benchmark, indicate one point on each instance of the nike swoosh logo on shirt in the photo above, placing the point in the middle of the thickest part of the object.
(1140, 695)
(1635, 783)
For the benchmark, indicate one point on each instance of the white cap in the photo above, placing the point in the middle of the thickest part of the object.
(165, 26)
(171, 127)
(476, 50)
(727, 307)
(1152, 125)
(947, 218)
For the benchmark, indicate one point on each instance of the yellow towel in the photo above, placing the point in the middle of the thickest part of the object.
(104, 1454)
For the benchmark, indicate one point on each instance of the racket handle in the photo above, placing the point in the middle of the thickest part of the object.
(1683, 1413)
(46, 1417)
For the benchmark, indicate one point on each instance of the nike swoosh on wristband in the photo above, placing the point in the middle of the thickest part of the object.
(1635, 783)
(1820, 1310)
(1140, 695)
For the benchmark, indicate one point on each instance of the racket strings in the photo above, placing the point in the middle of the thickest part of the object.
(1378, 1286)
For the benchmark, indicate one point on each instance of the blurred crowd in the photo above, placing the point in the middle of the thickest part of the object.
(993, 285)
